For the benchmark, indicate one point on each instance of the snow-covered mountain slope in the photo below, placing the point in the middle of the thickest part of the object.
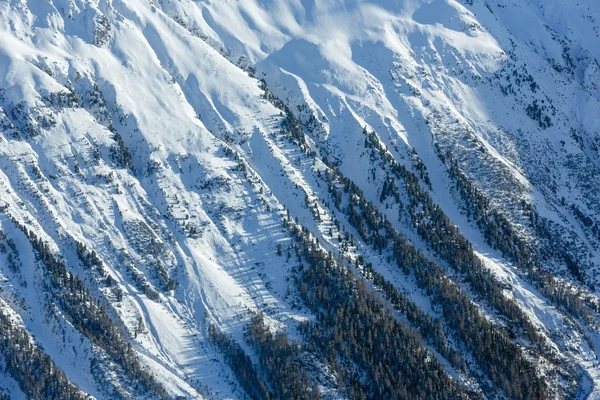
(406, 194)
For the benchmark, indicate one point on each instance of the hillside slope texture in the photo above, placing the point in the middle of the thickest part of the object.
(299, 199)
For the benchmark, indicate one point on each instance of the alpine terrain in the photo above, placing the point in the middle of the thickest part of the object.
(299, 199)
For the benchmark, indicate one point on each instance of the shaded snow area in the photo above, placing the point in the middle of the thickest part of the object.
(175, 174)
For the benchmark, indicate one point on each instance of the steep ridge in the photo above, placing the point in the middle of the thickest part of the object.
(385, 199)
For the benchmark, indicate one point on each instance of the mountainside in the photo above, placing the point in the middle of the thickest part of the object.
(299, 199)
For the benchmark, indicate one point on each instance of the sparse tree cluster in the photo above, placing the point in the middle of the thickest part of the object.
(8, 247)
(119, 152)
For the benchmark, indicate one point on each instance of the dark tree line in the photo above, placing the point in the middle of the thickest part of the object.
(90, 317)
(490, 345)
(284, 375)
(431, 329)
(90, 260)
(499, 357)
(376, 356)
(500, 234)
(290, 124)
(35, 372)
(460, 313)
(281, 361)
(434, 226)
(240, 364)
